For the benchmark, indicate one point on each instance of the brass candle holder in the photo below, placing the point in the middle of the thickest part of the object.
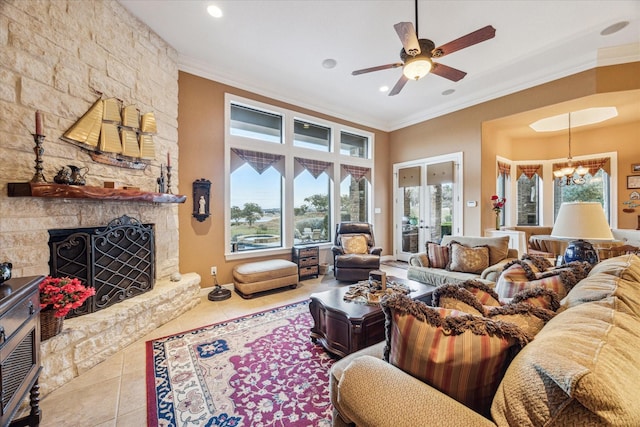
(39, 151)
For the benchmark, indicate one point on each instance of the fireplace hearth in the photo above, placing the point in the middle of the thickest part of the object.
(118, 260)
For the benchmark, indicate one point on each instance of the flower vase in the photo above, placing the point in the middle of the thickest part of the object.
(497, 220)
(50, 325)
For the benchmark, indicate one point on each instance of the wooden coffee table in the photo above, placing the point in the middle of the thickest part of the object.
(343, 327)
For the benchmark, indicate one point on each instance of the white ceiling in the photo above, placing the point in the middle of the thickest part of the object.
(276, 48)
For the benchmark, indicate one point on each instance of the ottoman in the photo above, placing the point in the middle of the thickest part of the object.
(252, 277)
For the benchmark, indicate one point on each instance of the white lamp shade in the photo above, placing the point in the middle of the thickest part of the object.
(581, 220)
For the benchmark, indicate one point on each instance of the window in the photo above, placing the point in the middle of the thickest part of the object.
(291, 177)
(251, 123)
(354, 145)
(596, 189)
(528, 194)
(312, 202)
(502, 187)
(311, 136)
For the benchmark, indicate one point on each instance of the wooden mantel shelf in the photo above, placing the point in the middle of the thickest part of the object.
(63, 191)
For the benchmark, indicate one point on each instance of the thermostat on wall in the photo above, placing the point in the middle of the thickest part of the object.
(472, 203)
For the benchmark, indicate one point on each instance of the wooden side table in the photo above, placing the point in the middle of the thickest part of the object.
(20, 349)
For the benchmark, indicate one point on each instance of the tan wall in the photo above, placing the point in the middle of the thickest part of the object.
(53, 55)
(473, 131)
(623, 139)
(201, 130)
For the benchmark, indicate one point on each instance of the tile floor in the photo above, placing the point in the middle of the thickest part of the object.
(113, 393)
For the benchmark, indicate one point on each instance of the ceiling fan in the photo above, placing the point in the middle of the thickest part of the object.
(416, 54)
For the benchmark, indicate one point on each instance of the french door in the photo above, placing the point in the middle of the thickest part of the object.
(427, 202)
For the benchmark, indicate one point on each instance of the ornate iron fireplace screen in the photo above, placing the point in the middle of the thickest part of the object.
(117, 260)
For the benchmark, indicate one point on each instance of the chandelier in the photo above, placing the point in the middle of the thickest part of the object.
(569, 174)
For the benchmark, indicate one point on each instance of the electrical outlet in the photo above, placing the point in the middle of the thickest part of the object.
(214, 271)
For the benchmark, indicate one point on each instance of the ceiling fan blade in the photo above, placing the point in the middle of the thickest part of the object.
(447, 72)
(470, 39)
(399, 85)
(378, 68)
(408, 37)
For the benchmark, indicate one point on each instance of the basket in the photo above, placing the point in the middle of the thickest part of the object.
(50, 326)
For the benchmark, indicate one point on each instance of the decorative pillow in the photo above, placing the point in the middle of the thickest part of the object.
(462, 355)
(455, 297)
(527, 317)
(354, 244)
(514, 279)
(423, 259)
(438, 255)
(538, 297)
(466, 259)
(483, 292)
(540, 262)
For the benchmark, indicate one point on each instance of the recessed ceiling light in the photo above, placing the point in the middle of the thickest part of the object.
(384, 88)
(214, 11)
(579, 118)
(329, 63)
(614, 28)
(448, 92)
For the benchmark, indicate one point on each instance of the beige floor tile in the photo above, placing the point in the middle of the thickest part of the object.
(136, 418)
(91, 405)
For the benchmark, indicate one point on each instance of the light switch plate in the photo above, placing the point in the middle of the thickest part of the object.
(472, 203)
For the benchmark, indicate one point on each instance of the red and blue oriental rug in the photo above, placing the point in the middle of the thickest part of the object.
(257, 370)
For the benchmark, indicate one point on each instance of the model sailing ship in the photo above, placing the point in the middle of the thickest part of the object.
(115, 135)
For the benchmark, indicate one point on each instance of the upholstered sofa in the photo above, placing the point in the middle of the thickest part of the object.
(422, 269)
(580, 369)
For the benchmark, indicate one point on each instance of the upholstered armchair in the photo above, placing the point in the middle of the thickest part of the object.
(354, 251)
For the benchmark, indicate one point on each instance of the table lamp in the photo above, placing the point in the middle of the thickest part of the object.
(581, 221)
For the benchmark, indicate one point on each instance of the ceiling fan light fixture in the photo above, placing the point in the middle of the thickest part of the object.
(417, 67)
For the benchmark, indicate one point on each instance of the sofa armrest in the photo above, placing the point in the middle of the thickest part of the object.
(416, 259)
(372, 392)
(492, 273)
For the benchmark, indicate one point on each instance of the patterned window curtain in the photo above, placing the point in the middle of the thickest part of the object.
(356, 172)
(258, 161)
(593, 165)
(529, 170)
(504, 169)
(315, 167)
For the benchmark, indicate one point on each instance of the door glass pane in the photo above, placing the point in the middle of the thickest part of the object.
(440, 211)
(354, 145)
(354, 199)
(528, 206)
(309, 135)
(410, 218)
(311, 208)
(256, 216)
(255, 124)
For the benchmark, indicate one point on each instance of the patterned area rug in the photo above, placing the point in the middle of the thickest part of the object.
(398, 264)
(257, 370)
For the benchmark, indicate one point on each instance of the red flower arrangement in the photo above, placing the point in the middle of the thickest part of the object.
(498, 203)
(63, 294)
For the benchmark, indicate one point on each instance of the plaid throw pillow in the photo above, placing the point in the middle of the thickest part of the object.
(462, 355)
(438, 255)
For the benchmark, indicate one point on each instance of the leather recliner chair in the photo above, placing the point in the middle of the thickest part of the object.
(354, 266)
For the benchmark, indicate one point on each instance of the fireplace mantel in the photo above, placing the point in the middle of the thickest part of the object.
(64, 191)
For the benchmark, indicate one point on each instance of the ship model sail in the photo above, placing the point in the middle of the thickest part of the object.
(114, 135)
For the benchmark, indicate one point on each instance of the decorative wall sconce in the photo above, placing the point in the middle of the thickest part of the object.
(201, 194)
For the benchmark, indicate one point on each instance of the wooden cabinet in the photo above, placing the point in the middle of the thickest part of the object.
(307, 258)
(20, 349)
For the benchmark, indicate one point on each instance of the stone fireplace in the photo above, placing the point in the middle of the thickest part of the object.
(117, 260)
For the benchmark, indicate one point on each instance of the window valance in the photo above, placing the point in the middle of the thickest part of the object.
(356, 172)
(529, 170)
(315, 167)
(593, 165)
(258, 161)
(504, 169)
